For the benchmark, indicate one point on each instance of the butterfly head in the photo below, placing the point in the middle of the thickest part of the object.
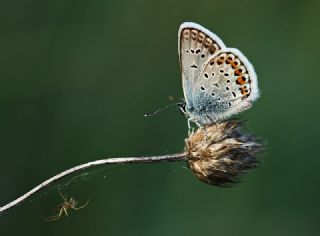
(182, 108)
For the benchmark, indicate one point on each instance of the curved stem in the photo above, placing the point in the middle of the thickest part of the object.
(170, 157)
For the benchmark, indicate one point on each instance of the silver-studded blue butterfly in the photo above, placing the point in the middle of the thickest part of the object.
(218, 81)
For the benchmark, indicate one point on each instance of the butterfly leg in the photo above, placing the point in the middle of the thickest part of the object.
(190, 129)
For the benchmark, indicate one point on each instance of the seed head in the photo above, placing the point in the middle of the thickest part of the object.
(221, 153)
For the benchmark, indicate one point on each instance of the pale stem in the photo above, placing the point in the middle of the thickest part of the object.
(164, 158)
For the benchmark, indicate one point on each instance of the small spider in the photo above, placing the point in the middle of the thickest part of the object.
(64, 206)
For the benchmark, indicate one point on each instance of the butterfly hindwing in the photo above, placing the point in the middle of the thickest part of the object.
(226, 85)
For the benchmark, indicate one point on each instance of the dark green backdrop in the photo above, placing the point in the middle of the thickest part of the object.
(76, 78)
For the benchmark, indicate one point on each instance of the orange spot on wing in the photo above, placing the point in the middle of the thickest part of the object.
(229, 60)
(234, 64)
(237, 72)
(244, 91)
(241, 80)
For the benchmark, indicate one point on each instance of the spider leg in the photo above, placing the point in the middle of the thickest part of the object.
(63, 197)
(63, 209)
(51, 218)
(80, 207)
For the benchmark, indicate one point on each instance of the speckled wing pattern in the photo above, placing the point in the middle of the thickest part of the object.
(217, 81)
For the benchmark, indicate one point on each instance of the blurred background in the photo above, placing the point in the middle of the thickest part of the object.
(76, 78)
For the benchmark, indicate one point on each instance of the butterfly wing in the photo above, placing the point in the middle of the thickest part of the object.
(196, 45)
(226, 85)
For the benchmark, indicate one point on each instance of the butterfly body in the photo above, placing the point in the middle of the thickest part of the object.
(218, 82)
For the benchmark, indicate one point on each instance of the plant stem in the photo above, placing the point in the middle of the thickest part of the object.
(164, 158)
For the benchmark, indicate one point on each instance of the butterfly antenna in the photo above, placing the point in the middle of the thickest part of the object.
(162, 109)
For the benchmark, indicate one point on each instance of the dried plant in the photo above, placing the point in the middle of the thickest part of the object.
(221, 153)
(218, 154)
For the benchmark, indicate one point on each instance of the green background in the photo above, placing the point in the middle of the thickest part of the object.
(76, 78)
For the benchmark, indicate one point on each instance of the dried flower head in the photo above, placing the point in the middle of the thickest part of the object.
(221, 153)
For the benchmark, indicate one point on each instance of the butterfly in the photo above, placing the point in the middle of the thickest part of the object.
(217, 81)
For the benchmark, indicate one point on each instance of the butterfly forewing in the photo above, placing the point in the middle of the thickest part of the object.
(196, 47)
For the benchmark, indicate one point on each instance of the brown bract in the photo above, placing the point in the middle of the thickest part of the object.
(221, 153)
